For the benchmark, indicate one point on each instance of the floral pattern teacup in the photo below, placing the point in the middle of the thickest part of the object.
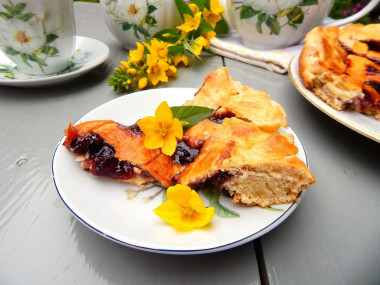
(273, 24)
(37, 35)
(132, 21)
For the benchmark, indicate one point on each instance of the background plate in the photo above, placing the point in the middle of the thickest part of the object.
(362, 124)
(103, 205)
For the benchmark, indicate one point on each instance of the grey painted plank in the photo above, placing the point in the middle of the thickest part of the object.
(333, 236)
(40, 241)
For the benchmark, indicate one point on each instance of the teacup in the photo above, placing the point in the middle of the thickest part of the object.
(38, 35)
(274, 24)
(132, 21)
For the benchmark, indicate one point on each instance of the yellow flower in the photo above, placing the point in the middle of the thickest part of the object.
(124, 64)
(198, 44)
(213, 16)
(216, 7)
(184, 209)
(181, 58)
(143, 82)
(191, 23)
(208, 36)
(156, 69)
(172, 71)
(138, 54)
(158, 49)
(194, 8)
(162, 130)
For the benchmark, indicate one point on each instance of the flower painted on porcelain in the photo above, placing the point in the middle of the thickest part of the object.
(271, 6)
(162, 130)
(27, 35)
(133, 15)
(23, 37)
(132, 11)
(184, 209)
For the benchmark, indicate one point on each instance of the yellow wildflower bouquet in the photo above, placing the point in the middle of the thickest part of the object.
(156, 59)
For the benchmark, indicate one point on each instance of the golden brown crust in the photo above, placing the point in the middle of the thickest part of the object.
(336, 64)
(262, 168)
(240, 149)
(220, 90)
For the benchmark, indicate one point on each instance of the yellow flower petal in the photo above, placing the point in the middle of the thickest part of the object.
(194, 8)
(169, 145)
(211, 17)
(216, 7)
(138, 54)
(176, 128)
(148, 124)
(184, 209)
(153, 141)
(164, 115)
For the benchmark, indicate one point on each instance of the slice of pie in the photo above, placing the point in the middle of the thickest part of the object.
(342, 67)
(251, 160)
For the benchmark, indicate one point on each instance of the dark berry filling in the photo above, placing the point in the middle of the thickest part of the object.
(101, 157)
(184, 154)
(220, 116)
(135, 129)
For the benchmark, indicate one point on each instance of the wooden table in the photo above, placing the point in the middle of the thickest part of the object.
(333, 237)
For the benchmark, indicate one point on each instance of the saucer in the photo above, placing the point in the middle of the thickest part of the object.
(89, 53)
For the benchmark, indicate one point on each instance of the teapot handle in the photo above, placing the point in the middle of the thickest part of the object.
(368, 8)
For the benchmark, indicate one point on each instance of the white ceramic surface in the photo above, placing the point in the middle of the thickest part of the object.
(273, 24)
(363, 124)
(103, 205)
(132, 21)
(38, 35)
(89, 53)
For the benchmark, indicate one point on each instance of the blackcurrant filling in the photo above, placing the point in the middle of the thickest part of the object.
(220, 116)
(184, 154)
(100, 157)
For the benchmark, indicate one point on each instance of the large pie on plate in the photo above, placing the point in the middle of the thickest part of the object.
(342, 67)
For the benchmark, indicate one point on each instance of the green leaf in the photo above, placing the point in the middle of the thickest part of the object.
(135, 31)
(126, 26)
(25, 58)
(5, 16)
(9, 9)
(212, 194)
(11, 51)
(308, 3)
(274, 209)
(204, 27)
(164, 196)
(51, 38)
(171, 35)
(260, 20)
(247, 12)
(183, 9)
(221, 27)
(150, 20)
(36, 59)
(151, 9)
(143, 31)
(190, 50)
(25, 17)
(202, 4)
(273, 24)
(191, 114)
(19, 8)
(53, 51)
(296, 16)
(176, 50)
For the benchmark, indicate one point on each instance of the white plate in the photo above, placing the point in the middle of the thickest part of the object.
(362, 124)
(102, 204)
(89, 53)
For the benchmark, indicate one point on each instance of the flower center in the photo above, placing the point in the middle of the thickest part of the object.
(21, 37)
(132, 9)
(164, 131)
(187, 210)
(155, 70)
